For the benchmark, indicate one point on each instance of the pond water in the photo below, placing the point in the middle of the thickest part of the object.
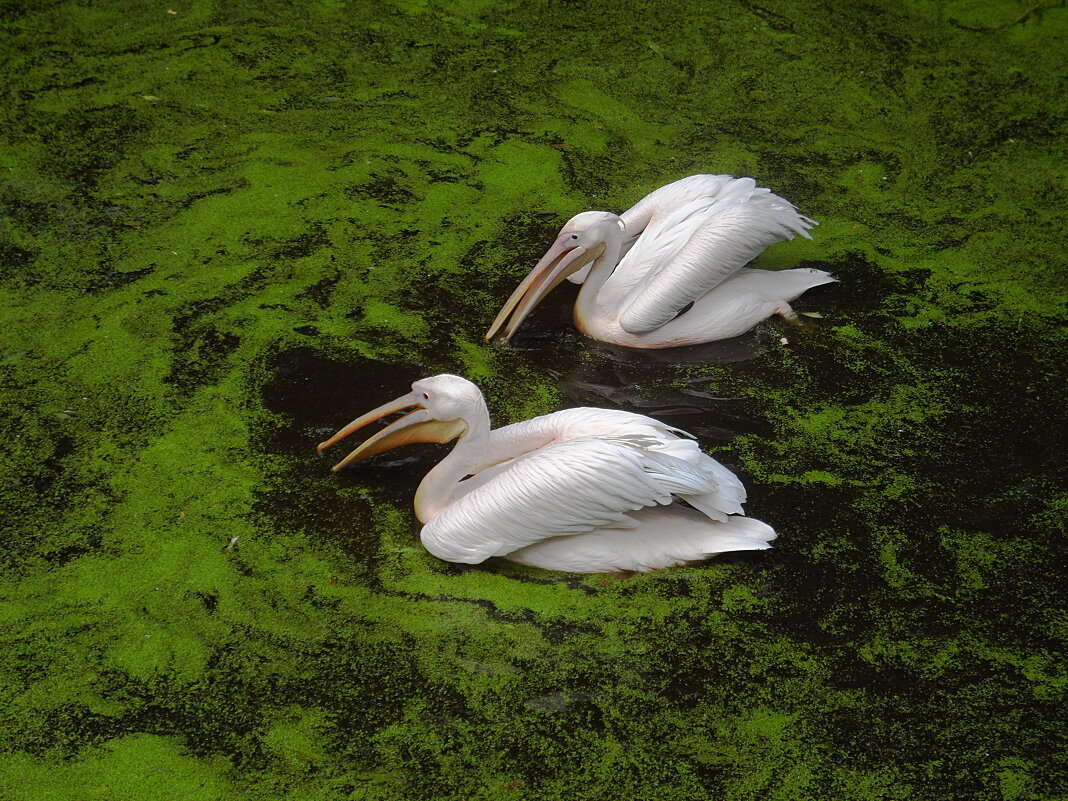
(230, 228)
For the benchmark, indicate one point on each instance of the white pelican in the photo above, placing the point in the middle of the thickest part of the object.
(668, 271)
(583, 490)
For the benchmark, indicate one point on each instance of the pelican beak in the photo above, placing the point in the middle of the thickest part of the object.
(563, 259)
(416, 426)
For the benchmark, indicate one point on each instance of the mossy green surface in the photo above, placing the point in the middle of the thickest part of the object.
(230, 227)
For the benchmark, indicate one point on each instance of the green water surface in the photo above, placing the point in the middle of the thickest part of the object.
(230, 227)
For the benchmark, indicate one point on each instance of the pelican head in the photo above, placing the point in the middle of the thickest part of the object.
(582, 240)
(441, 408)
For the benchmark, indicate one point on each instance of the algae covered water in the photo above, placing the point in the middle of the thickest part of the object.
(229, 228)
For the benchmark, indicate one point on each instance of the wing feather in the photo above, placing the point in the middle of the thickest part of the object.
(699, 246)
(646, 217)
(660, 203)
(664, 537)
(578, 485)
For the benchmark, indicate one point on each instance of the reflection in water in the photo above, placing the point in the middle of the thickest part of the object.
(725, 351)
(673, 384)
(681, 393)
(666, 403)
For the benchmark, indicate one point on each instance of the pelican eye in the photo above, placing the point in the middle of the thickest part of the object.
(574, 236)
(426, 396)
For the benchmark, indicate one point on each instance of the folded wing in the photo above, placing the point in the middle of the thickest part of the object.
(680, 258)
(571, 487)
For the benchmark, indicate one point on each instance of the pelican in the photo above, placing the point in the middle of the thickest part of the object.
(669, 271)
(583, 490)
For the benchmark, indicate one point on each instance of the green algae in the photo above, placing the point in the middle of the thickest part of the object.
(231, 229)
(127, 768)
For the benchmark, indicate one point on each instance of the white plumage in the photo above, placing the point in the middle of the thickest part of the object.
(663, 273)
(584, 490)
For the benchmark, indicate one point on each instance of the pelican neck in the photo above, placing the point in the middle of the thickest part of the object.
(592, 301)
(466, 457)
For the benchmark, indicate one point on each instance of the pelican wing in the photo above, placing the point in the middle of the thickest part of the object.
(661, 203)
(571, 487)
(697, 247)
(649, 213)
(663, 537)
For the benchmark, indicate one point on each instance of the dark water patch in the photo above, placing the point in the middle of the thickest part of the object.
(450, 304)
(905, 729)
(197, 41)
(546, 577)
(69, 728)
(80, 221)
(40, 510)
(558, 701)
(314, 396)
(30, 215)
(586, 175)
(215, 715)
(1039, 127)
(776, 22)
(85, 144)
(209, 600)
(75, 541)
(442, 174)
(322, 290)
(879, 581)
(724, 351)
(386, 189)
(14, 258)
(303, 245)
(53, 465)
(378, 681)
(318, 395)
(1006, 420)
(189, 200)
(115, 279)
(554, 634)
(644, 389)
(200, 358)
(862, 286)
(201, 349)
(30, 94)
(190, 313)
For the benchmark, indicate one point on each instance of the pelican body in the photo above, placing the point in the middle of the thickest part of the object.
(583, 490)
(670, 270)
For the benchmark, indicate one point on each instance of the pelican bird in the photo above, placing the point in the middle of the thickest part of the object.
(669, 271)
(584, 490)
